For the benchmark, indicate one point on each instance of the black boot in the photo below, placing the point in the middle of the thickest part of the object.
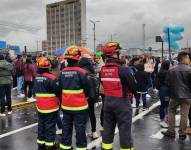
(182, 137)
(169, 134)
(50, 148)
(41, 147)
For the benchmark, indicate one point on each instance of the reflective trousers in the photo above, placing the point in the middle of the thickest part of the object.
(117, 111)
(47, 129)
(78, 119)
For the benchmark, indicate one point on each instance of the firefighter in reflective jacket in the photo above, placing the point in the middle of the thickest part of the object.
(116, 81)
(46, 91)
(75, 89)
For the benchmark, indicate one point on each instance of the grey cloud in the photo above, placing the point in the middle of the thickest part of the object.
(124, 17)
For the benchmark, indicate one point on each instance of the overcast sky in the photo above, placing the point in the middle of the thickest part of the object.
(122, 18)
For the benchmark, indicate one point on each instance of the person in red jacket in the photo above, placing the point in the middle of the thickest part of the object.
(117, 80)
(29, 73)
(75, 92)
(46, 91)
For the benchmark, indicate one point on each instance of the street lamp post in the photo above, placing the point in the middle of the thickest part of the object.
(187, 43)
(112, 35)
(94, 29)
(37, 45)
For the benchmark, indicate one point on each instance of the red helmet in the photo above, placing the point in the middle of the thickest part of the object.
(43, 63)
(73, 53)
(111, 48)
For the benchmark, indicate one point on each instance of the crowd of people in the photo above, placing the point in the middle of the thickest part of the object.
(74, 87)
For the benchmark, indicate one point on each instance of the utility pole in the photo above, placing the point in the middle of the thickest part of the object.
(187, 43)
(37, 45)
(94, 30)
(112, 35)
(144, 36)
(169, 46)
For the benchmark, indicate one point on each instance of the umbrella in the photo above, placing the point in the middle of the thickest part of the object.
(83, 51)
(60, 52)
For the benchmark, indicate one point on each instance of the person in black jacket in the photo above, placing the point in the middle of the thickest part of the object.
(142, 79)
(155, 72)
(163, 90)
(86, 64)
(189, 116)
(178, 80)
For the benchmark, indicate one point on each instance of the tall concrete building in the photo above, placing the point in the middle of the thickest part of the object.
(44, 45)
(66, 24)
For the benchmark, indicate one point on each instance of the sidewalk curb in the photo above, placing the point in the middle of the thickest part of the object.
(23, 105)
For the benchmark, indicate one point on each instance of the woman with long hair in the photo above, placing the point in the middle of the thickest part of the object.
(163, 91)
(29, 73)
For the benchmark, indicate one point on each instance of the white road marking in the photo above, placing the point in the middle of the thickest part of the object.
(139, 116)
(94, 143)
(18, 130)
(27, 127)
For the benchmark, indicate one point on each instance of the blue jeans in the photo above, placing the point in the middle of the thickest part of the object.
(79, 120)
(163, 93)
(20, 83)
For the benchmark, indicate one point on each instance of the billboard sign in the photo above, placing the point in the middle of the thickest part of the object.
(3, 44)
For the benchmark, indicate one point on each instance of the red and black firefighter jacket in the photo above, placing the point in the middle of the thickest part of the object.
(75, 88)
(116, 79)
(47, 92)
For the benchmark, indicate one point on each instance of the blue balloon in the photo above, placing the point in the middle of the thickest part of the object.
(173, 37)
(177, 29)
(175, 45)
(174, 29)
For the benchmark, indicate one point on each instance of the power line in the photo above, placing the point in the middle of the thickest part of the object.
(19, 26)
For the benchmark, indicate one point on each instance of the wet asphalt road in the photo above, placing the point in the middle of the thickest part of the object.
(145, 132)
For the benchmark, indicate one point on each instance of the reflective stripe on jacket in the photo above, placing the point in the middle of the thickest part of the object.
(111, 81)
(45, 88)
(47, 103)
(74, 82)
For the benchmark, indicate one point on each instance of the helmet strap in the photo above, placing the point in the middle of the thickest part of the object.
(118, 55)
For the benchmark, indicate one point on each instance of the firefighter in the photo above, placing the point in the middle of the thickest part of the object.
(117, 81)
(75, 89)
(46, 91)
